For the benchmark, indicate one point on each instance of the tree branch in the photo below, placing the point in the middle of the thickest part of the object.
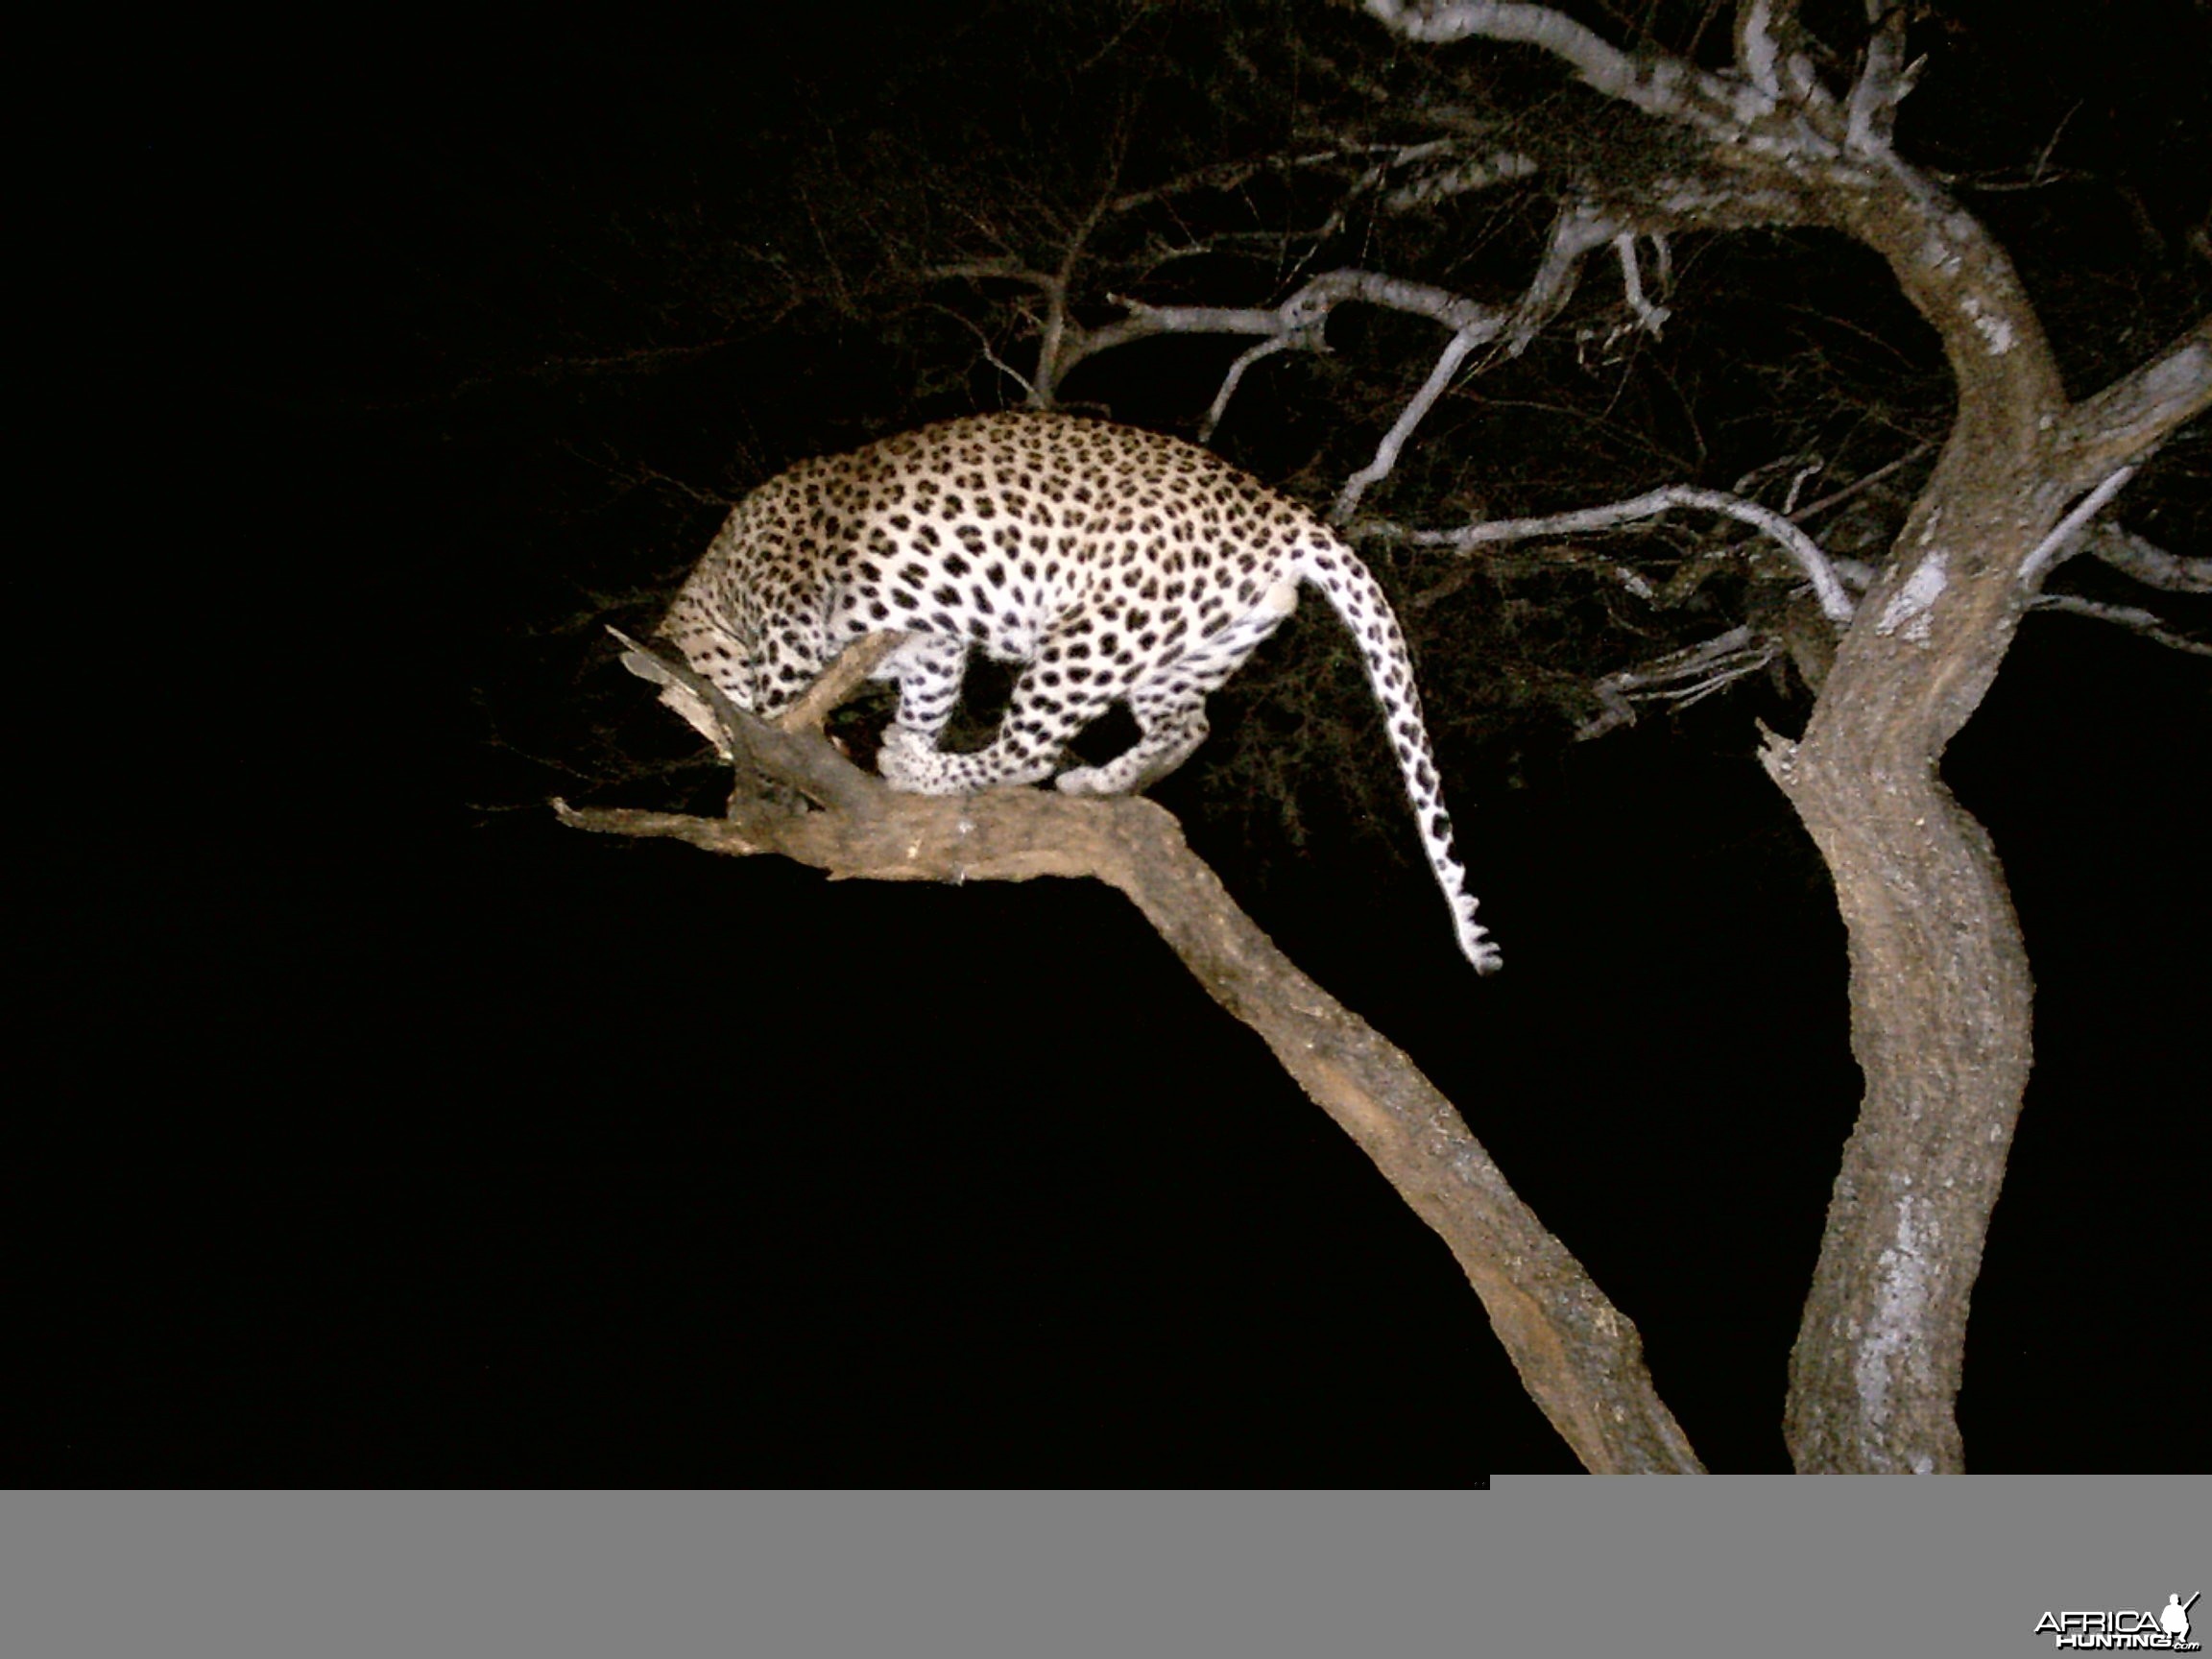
(2054, 544)
(1884, 82)
(1681, 678)
(2147, 563)
(2123, 423)
(2149, 624)
(1836, 602)
(1297, 324)
(1236, 378)
(1580, 228)
(1417, 407)
(845, 675)
(1649, 317)
(1599, 63)
(790, 751)
(1579, 1356)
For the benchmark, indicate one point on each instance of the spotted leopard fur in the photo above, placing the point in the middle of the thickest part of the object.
(1117, 564)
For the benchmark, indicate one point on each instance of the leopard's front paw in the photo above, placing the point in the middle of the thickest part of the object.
(908, 761)
(1085, 780)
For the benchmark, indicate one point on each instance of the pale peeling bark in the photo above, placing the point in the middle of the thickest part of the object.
(1578, 1355)
(1940, 991)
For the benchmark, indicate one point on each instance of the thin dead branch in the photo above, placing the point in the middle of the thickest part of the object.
(1836, 601)
(1680, 678)
(2132, 618)
(2146, 562)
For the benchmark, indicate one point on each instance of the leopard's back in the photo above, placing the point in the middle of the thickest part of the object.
(1119, 564)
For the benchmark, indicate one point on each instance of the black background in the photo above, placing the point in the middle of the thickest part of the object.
(373, 1129)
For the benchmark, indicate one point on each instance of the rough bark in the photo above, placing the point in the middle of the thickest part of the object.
(1940, 990)
(1579, 1356)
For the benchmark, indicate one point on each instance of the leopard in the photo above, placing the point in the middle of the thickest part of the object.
(1110, 563)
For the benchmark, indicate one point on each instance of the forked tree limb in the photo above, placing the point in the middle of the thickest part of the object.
(1579, 1356)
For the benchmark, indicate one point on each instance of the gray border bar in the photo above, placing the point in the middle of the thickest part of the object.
(1535, 1566)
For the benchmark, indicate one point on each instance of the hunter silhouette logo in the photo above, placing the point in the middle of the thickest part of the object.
(2175, 1620)
(2119, 1630)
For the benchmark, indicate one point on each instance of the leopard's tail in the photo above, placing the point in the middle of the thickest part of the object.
(1358, 599)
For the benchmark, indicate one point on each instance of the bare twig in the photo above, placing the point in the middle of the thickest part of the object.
(1648, 317)
(1230, 381)
(2054, 545)
(2147, 623)
(1580, 228)
(1836, 602)
(991, 355)
(1837, 497)
(2147, 563)
(1417, 407)
(1297, 324)
(1681, 678)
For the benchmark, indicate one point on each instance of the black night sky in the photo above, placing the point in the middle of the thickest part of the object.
(377, 1130)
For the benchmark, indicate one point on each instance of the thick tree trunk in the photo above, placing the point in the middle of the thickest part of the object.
(1940, 1000)
(1940, 996)
(1940, 993)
